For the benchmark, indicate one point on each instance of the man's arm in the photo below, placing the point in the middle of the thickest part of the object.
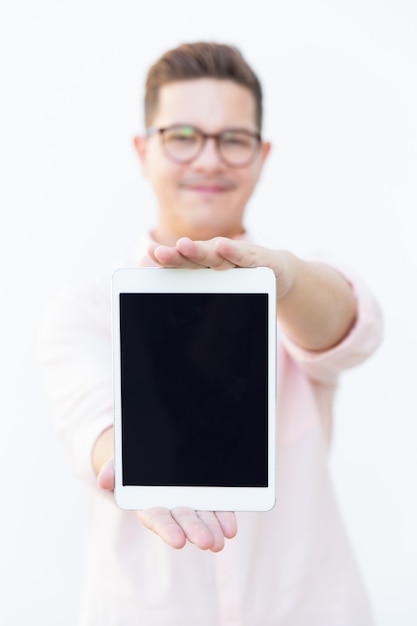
(207, 530)
(317, 307)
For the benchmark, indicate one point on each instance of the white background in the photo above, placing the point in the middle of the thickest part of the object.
(341, 102)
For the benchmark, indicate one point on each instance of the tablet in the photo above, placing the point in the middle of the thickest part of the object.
(194, 388)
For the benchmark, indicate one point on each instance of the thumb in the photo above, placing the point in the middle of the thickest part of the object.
(105, 477)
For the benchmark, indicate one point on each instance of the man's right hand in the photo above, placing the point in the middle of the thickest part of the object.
(207, 530)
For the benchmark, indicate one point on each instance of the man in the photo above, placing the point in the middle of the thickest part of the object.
(203, 154)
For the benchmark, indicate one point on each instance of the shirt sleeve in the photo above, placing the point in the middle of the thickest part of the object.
(76, 356)
(361, 341)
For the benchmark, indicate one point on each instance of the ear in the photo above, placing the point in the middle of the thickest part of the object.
(140, 145)
(265, 150)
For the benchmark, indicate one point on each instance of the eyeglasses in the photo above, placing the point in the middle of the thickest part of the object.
(183, 143)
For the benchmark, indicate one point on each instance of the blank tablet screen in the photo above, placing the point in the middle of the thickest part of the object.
(194, 389)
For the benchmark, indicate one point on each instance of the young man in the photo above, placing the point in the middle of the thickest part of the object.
(203, 155)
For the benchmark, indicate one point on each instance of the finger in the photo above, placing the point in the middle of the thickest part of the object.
(282, 262)
(167, 252)
(194, 529)
(228, 523)
(148, 261)
(150, 252)
(161, 522)
(211, 522)
(200, 252)
(243, 254)
(167, 256)
(105, 477)
(203, 253)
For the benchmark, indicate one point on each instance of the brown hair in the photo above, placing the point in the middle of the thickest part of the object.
(200, 60)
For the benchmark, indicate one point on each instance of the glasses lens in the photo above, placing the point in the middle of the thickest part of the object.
(182, 143)
(238, 147)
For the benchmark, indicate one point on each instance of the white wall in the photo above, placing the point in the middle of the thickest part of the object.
(341, 102)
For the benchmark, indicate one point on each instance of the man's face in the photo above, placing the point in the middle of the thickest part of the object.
(206, 197)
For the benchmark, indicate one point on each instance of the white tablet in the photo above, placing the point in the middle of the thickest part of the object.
(194, 388)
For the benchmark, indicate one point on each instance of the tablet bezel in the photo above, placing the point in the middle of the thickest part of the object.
(163, 280)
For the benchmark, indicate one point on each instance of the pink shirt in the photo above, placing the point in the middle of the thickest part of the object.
(292, 566)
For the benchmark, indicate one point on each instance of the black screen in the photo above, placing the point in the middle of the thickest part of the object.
(194, 389)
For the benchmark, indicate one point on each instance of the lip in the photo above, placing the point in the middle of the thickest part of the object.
(207, 187)
(210, 189)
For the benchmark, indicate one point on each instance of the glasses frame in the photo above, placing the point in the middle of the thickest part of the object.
(154, 130)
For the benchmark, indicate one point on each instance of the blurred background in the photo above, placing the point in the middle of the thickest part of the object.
(340, 108)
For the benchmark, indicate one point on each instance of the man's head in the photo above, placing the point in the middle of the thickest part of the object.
(202, 153)
(200, 60)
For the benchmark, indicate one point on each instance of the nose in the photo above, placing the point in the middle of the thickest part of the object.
(209, 158)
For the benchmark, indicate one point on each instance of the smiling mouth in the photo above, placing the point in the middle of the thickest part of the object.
(208, 187)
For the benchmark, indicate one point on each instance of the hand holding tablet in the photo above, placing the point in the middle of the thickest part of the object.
(194, 374)
(221, 253)
(207, 530)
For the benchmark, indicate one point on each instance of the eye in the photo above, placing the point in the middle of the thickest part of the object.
(182, 134)
(236, 139)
